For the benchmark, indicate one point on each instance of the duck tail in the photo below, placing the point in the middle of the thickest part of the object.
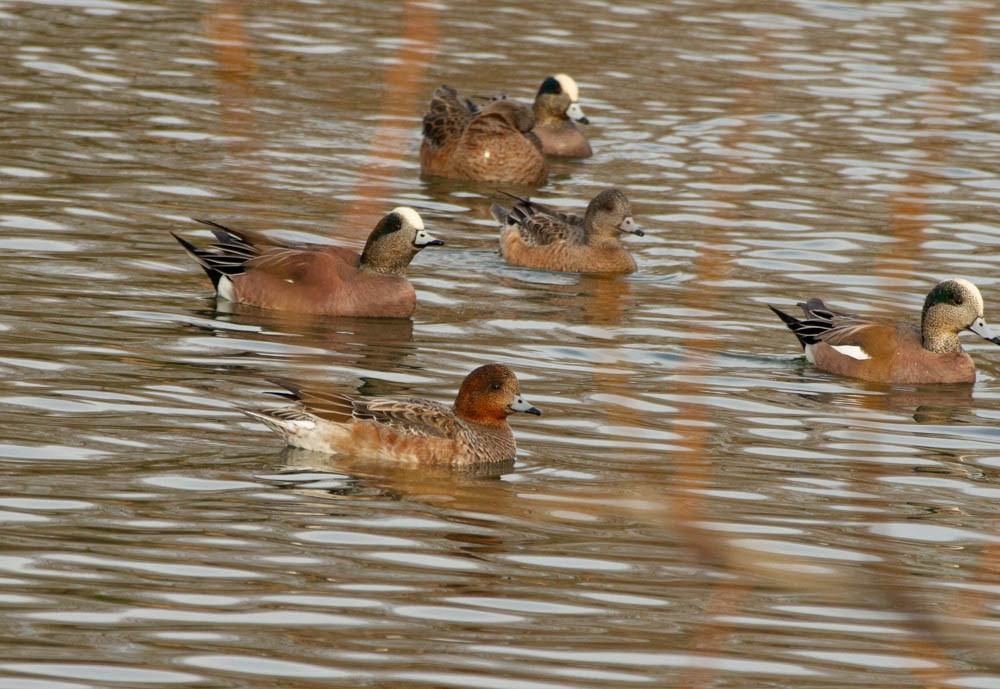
(499, 213)
(796, 326)
(203, 257)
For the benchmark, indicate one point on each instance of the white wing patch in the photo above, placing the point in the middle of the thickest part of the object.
(853, 351)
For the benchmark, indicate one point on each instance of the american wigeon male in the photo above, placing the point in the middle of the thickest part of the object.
(253, 268)
(537, 236)
(557, 110)
(883, 350)
(407, 429)
(492, 143)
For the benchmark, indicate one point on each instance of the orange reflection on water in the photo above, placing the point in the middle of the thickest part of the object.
(403, 105)
(965, 55)
(225, 29)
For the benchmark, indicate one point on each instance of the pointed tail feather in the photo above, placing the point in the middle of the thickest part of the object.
(499, 213)
(796, 326)
(201, 256)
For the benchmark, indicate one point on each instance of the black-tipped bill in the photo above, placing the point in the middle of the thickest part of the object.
(522, 405)
(983, 329)
(629, 225)
(423, 239)
(575, 113)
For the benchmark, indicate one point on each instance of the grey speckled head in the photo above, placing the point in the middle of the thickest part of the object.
(953, 306)
(609, 214)
(397, 238)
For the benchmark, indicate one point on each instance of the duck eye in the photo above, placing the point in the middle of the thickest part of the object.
(496, 386)
(958, 300)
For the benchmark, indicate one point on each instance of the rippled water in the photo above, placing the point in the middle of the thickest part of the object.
(696, 507)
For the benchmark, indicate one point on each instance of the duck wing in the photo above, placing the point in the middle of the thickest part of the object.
(405, 415)
(839, 329)
(539, 224)
(233, 250)
(448, 116)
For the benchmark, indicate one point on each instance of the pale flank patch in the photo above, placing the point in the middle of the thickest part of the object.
(569, 86)
(852, 351)
(225, 288)
(301, 425)
(410, 217)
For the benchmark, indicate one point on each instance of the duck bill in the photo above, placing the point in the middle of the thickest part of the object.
(524, 406)
(629, 225)
(425, 239)
(983, 329)
(575, 113)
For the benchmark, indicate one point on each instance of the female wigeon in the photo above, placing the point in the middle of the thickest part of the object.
(556, 110)
(536, 236)
(493, 143)
(253, 268)
(407, 429)
(883, 350)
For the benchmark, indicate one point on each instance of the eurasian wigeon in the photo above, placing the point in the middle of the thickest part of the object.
(492, 143)
(883, 350)
(253, 268)
(557, 109)
(537, 236)
(407, 429)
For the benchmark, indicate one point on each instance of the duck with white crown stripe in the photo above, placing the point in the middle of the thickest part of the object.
(557, 110)
(257, 269)
(884, 350)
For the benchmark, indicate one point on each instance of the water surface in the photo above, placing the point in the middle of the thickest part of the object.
(697, 506)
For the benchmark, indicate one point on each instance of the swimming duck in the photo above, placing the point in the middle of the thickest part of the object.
(253, 268)
(556, 111)
(537, 236)
(883, 350)
(492, 143)
(407, 429)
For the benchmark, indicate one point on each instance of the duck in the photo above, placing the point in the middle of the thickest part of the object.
(557, 110)
(536, 236)
(327, 280)
(406, 429)
(491, 143)
(888, 351)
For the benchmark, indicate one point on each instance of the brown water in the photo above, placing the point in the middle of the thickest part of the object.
(697, 506)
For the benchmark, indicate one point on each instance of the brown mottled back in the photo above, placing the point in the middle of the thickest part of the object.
(492, 144)
(537, 236)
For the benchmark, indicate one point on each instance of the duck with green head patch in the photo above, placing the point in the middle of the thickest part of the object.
(260, 270)
(883, 350)
(557, 111)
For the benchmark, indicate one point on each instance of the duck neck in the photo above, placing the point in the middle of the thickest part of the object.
(601, 240)
(937, 334)
(372, 262)
(941, 341)
(545, 115)
(465, 410)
